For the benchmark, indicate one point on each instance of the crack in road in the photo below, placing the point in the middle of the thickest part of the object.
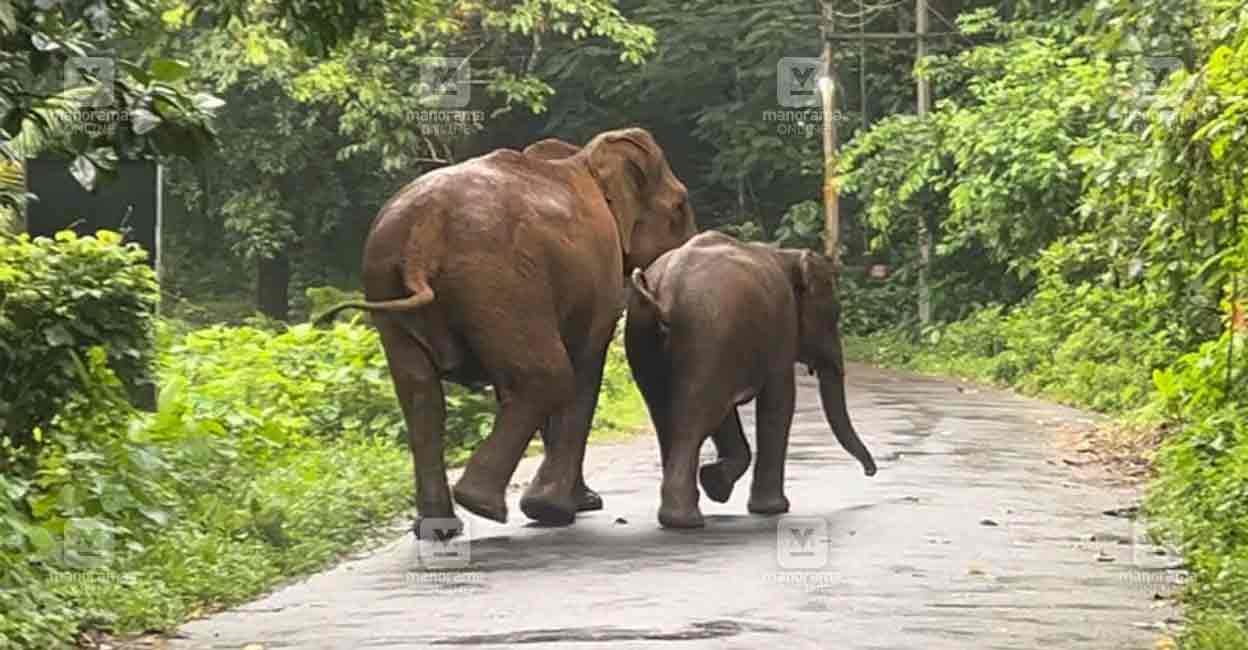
(693, 632)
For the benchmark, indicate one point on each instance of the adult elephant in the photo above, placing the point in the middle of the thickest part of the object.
(507, 269)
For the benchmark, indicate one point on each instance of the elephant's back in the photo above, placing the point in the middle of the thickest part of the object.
(723, 285)
(728, 270)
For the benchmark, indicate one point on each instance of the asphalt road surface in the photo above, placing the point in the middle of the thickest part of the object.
(973, 535)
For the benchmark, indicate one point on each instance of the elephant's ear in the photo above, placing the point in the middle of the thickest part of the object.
(627, 165)
(816, 275)
(804, 272)
(818, 279)
(814, 268)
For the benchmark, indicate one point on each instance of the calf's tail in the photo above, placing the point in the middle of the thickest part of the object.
(651, 302)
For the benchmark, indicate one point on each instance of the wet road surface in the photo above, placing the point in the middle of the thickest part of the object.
(971, 536)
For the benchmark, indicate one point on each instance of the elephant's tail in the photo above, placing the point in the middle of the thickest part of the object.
(643, 289)
(410, 303)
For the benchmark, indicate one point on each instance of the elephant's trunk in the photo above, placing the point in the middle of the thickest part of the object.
(832, 394)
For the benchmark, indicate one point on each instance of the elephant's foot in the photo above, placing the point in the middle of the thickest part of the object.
(543, 504)
(438, 528)
(587, 499)
(680, 517)
(768, 503)
(480, 500)
(717, 479)
(678, 505)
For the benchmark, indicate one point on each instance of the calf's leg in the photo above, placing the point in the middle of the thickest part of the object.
(717, 478)
(775, 417)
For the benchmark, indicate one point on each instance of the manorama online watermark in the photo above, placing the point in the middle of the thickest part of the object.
(96, 121)
(806, 122)
(445, 123)
(447, 580)
(98, 113)
(1159, 581)
(810, 581)
(90, 580)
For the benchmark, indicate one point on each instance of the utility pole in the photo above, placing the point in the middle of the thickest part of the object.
(925, 105)
(831, 145)
(862, 101)
(922, 35)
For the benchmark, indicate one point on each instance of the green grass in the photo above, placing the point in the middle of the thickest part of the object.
(299, 518)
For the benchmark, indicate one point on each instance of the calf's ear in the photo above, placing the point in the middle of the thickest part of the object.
(805, 274)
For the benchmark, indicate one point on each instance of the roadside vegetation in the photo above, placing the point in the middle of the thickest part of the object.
(1088, 248)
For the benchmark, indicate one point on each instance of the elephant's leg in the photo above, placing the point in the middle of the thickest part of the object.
(643, 344)
(775, 416)
(717, 478)
(419, 389)
(558, 491)
(586, 498)
(526, 397)
(691, 422)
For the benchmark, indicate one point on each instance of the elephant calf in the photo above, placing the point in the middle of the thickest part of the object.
(714, 324)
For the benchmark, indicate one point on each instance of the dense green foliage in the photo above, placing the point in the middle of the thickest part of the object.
(1112, 204)
(1201, 497)
(51, 327)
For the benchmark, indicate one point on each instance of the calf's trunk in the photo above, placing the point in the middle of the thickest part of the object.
(832, 395)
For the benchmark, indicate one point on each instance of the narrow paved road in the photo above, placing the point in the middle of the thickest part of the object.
(970, 537)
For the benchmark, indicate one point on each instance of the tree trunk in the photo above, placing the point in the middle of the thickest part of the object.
(273, 286)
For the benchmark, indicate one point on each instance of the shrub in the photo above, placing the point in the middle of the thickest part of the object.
(98, 486)
(58, 299)
(1201, 496)
(1086, 344)
(308, 381)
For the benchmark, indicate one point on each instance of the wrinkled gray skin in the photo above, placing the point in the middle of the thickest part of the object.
(714, 324)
